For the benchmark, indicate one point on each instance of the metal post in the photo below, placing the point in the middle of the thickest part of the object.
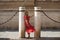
(37, 23)
(21, 23)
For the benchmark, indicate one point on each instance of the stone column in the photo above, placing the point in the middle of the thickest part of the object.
(21, 23)
(37, 23)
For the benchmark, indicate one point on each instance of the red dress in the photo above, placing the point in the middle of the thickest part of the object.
(29, 27)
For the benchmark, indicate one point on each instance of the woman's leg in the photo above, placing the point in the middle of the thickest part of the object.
(28, 35)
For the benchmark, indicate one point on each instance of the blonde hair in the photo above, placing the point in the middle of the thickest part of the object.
(26, 12)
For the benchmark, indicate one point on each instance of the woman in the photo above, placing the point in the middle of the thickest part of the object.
(29, 27)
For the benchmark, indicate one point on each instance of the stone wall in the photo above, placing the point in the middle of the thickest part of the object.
(12, 24)
(46, 22)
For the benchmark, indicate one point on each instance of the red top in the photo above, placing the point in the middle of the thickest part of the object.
(29, 27)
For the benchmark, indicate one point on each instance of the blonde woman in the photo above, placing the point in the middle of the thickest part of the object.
(28, 26)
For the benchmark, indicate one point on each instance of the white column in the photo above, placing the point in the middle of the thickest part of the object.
(37, 23)
(21, 23)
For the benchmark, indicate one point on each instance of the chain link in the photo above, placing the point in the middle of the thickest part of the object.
(18, 11)
(9, 19)
(23, 5)
(49, 17)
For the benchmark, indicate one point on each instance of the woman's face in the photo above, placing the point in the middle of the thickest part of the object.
(26, 13)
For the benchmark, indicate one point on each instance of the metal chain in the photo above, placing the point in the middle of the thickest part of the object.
(17, 12)
(49, 17)
(13, 15)
(9, 19)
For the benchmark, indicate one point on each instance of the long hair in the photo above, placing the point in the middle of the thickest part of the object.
(26, 13)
